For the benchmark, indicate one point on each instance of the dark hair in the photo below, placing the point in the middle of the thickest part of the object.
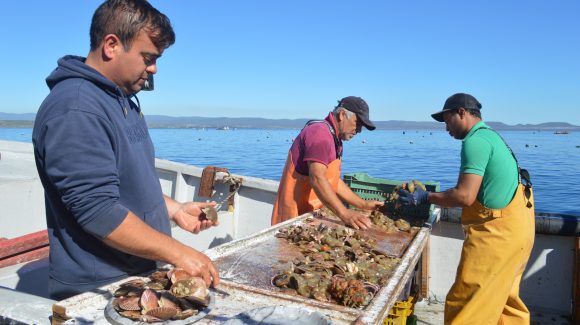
(126, 18)
(474, 112)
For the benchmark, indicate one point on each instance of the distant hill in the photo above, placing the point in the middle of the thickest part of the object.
(9, 120)
(26, 117)
(162, 121)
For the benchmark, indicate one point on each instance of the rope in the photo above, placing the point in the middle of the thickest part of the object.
(235, 185)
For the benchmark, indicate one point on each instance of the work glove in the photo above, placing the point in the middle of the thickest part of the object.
(413, 199)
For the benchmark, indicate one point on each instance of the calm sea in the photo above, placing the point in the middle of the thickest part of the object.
(553, 160)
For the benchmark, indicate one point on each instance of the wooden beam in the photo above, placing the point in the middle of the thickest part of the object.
(32, 255)
(22, 244)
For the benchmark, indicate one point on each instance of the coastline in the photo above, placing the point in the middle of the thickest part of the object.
(267, 124)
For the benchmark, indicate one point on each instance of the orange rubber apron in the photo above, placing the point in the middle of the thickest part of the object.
(495, 252)
(296, 196)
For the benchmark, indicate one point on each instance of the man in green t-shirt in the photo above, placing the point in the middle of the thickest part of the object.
(497, 216)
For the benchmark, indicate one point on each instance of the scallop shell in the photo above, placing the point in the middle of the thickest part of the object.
(192, 289)
(210, 214)
(185, 314)
(120, 292)
(162, 313)
(137, 283)
(192, 286)
(178, 275)
(128, 303)
(155, 286)
(130, 288)
(131, 314)
(158, 275)
(149, 300)
(185, 304)
(150, 319)
(199, 300)
(169, 300)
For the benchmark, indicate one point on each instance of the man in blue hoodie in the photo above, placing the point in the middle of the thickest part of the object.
(106, 214)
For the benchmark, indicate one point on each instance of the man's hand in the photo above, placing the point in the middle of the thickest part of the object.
(413, 199)
(189, 216)
(198, 264)
(356, 219)
(128, 238)
(373, 205)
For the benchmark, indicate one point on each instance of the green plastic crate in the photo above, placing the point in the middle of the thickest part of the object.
(371, 188)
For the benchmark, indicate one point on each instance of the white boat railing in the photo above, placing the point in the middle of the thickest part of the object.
(546, 285)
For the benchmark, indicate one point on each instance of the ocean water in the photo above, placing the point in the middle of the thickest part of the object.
(553, 160)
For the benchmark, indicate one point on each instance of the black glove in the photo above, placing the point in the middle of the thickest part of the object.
(414, 199)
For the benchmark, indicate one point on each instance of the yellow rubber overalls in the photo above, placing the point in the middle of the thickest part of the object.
(495, 252)
(296, 196)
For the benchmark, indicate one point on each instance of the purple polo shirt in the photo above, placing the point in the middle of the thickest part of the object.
(314, 143)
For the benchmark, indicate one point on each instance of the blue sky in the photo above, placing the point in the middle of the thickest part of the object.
(294, 59)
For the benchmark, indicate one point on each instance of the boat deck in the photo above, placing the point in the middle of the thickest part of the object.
(430, 312)
(546, 285)
(17, 162)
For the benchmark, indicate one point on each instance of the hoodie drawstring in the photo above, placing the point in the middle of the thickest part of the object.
(138, 106)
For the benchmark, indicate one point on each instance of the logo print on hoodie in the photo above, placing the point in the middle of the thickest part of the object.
(136, 133)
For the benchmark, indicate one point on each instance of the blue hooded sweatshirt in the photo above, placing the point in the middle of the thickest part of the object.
(96, 162)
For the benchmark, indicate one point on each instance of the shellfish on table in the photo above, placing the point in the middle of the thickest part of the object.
(167, 295)
(337, 265)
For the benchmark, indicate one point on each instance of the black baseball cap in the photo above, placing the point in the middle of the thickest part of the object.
(358, 106)
(456, 101)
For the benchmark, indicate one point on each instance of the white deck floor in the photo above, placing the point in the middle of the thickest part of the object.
(431, 313)
(22, 199)
(16, 162)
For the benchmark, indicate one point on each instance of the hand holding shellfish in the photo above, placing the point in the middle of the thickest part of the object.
(197, 264)
(190, 216)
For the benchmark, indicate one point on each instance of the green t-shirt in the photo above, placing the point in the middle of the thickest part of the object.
(484, 153)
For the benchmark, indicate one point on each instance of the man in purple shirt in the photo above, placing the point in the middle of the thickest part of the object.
(311, 176)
